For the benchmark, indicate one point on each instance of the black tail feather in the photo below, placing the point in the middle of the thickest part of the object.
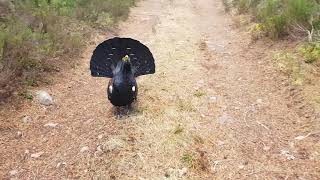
(108, 53)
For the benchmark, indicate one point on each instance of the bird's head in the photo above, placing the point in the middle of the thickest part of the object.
(123, 67)
(126, 58)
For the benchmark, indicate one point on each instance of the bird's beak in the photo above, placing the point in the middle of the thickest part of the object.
(126, 58)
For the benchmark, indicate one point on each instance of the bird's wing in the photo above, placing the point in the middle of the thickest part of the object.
(108, 53)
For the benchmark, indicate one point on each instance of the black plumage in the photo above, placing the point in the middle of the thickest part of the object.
(122, 60)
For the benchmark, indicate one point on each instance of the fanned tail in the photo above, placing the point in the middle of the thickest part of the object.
(107, 54)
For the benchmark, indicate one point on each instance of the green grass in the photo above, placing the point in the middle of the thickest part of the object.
(33, 32)
(199, 94)
(289, 64)
(185, 105)
(188, 159)
(178, 130)
(26, 95)
(310, 52)
(279, 17)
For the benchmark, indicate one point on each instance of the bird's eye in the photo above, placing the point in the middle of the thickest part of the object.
(133, 88)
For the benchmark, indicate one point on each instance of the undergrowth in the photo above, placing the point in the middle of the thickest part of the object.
(35, 35)
(297, 19)
(278, 18)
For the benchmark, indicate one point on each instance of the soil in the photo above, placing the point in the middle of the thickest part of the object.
(216, 108)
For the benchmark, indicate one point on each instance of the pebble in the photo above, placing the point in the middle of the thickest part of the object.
(259, 101)
(51, 125)
(19, 134)
(60, 164)
(84, 149)
(26, 119)
(44, 98)
(213, 99)
(113, 144)
(13, 172)
(99, 151)
(182, 172)
(37, 155)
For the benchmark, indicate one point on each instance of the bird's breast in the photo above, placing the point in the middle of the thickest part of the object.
(122, 94)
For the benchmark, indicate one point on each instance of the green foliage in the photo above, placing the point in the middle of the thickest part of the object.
(178, 129)
(33, 32)
(290, 65)
(26, 95)
(275, 26)
(310, 52)
(199, 94)
(279, 16)
(103, 12)
(302, 10)
(189, 159)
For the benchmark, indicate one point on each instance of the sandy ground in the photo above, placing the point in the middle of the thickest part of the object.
(215, 109)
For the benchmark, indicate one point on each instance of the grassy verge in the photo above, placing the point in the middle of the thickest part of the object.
(279, 18)
(35, 35)
(297, 19)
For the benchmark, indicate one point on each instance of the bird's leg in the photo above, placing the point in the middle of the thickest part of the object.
(129, 109)
(118, 112)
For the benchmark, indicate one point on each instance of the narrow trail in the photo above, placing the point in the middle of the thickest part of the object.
(215, 109)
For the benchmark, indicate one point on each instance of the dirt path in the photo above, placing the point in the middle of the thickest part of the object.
(215, 109)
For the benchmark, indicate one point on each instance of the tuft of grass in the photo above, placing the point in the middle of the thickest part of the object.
(188, 159)
(199, 94)
(178, 129)
(279, 17)
(198, 139)
(290, 65)
(184, 105)
(227, 5)
(26, 95)
(310, 52)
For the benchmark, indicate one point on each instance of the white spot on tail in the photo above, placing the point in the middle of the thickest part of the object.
(133, 88)
(110, 89)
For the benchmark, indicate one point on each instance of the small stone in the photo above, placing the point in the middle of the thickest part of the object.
(182, 172)
(301, 137)
(287, 154)
(19, 134)
(26, 119)
(99, 151)
(13, 172)
(220, 143)
(37, 155)
(60, 164)
(113, 144)
(241, 166)
(44, 98)
(100, 136)
(213, 99)
(225, 118)
(51, 125)
(27, 151)
(84, 149)
(266, 148)
(259, 101)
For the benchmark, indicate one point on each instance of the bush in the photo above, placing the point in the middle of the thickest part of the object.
(32, 32)
(279, 16)
(310, 52)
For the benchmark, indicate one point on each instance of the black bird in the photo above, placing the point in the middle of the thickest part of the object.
(122, 60)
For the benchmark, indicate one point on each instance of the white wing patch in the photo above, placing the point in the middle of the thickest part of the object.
(133, 88)
(110, 89)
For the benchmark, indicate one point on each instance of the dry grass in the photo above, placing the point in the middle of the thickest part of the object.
(236, 137)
